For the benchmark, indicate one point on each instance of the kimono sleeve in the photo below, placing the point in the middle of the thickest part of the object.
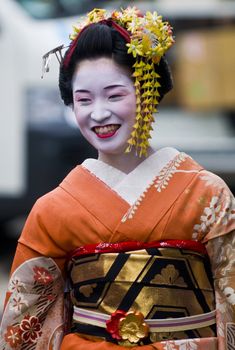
(33, 317)
(218, 215)
(222, 255)
(218, 223)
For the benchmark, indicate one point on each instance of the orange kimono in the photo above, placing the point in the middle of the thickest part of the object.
(168, 196)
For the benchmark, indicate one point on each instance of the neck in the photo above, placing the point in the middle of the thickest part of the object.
(126, 162)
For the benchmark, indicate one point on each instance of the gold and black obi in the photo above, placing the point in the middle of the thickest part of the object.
(137, 293)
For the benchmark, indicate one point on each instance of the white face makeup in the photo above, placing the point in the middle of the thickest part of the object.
(104, 104)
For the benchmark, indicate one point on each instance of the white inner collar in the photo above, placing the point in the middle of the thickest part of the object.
(131, 186)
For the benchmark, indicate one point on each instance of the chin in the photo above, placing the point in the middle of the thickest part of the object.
(113, 150)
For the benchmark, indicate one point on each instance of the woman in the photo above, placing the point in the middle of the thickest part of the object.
(129, 233)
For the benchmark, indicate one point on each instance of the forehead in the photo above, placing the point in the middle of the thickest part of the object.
(101, 70)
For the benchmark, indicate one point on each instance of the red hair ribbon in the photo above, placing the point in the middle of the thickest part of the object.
(124, 33)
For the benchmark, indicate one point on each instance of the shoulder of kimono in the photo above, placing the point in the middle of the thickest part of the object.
(213, 182)
(49, 223)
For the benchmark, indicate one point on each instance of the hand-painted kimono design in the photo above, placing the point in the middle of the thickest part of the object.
(36, 289)
(180, 201)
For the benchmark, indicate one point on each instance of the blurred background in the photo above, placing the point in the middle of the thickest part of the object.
(39, 141)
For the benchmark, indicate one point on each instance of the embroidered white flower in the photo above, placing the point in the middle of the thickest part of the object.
(17, 303)
(230, 295)
(221, 307)
(181, 345)
(188, 345)
(210, 213)
(169, 345)
(209, 216)
(229, 211)
(16, 285)
(196, 232)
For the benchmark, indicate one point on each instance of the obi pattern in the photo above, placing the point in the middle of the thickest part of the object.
(158, 282)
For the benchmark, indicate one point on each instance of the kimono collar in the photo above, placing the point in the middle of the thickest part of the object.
(131, 186)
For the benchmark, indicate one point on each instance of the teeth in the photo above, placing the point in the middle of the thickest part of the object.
(106, 129)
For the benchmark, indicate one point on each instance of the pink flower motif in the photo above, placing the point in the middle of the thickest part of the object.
(16, 285)
(12, 336)
(30, 329)
(17, 303)
(112, 325)
(42, 275)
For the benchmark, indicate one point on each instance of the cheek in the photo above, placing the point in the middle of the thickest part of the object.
(79, 115)
(128, 110)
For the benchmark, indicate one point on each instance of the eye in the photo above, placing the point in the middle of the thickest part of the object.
(115, 97)
(84, 101)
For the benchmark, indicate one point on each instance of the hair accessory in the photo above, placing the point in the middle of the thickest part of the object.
(46, 58)
(148, 37)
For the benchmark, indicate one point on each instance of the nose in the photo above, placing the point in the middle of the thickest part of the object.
(100, 113)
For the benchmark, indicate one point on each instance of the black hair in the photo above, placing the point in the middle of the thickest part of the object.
(100, 40)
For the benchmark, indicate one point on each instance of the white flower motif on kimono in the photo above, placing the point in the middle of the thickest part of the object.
(188, 345)
(16, 285)
(17, 303)
(221, 307)
(210, 214)
(169, 345)
(180, 345)
(230, 295)
(229, 212)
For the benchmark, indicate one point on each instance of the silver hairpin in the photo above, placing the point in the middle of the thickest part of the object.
(46, 58)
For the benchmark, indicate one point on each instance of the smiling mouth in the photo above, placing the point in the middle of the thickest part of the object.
(106, 131)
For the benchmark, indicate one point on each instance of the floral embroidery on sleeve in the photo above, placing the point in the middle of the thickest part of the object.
(222, 255)
(191, 344)
(42, 275)
(35, 287)
(207, 219)
(215, 218)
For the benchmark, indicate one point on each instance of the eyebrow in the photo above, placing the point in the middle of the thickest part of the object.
(113, 86)
(82, 90)
(106, 88)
